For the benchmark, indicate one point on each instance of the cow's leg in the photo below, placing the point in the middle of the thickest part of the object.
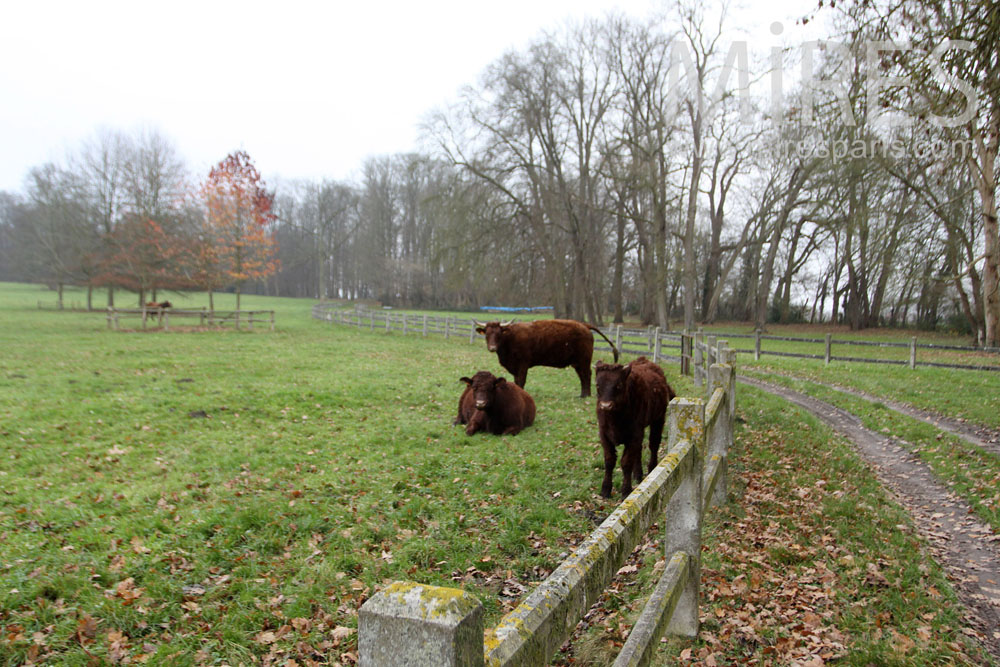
(583, 371)
(477, 423)
(628, 467)
(520, 376)
(610, 456)
(655, 436)
(637, 462)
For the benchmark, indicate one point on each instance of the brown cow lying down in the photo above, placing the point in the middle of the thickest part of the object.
(556, 343)
(494, 405)
(630, 398)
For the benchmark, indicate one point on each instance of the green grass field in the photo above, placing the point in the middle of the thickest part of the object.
(224, 497)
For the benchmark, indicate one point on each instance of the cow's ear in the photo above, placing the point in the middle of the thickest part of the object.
(626, 370)
(499, 381)
(466, 380)
(599, 365)
(481, 330)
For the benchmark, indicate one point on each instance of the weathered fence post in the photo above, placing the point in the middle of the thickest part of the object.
(109, 316)
(618, 338)
(826, 354)
(472, 333)
(913, 351)
(447, 328)
(413, 624)
(166, 320)
(649, 338)
(404, 323)
(720, 376)
(710, 353)
(425, 325)
(656, 345)
(272, 320)
(756, 344)
(686, 419)
(388, 322)
(699, 357)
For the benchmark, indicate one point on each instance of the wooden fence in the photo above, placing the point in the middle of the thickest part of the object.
(210, 318)
(414, 624)
(827, 351)
(650, 341)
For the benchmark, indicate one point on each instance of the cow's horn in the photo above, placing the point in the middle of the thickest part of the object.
(479, 324)
(507, 323)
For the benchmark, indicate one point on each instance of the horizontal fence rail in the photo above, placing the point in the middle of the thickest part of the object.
(205, 317)
(686, 348)
(409, 623)
(701, 339)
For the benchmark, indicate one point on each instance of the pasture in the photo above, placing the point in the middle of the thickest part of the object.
(223, 497)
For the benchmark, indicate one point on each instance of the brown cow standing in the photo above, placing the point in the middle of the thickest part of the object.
(630, 398)
(492, 404)
(555, 343)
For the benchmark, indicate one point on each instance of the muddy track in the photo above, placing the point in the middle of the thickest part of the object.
(966, 548)
(985, 438)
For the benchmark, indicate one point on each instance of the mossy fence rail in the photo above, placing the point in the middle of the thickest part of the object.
(211, 318)
(415, 624)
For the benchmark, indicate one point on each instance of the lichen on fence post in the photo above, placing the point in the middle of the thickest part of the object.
(686, 419)
(415, 625)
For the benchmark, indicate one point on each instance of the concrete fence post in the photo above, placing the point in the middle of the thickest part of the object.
(826, 354)
(710, 353)
(756, 344)
(913, 352)
(686, 419)
(413, 625)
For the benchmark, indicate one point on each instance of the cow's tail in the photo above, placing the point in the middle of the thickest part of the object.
(614, 349)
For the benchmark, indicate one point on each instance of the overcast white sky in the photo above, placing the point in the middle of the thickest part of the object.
(308, 89)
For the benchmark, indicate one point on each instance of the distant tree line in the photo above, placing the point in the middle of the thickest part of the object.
(606, 172)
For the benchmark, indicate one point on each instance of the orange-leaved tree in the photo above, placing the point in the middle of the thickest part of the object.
(238, 243)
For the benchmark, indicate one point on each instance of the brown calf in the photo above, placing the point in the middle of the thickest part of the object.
(630, 398)
(492, 404)
(555, 343)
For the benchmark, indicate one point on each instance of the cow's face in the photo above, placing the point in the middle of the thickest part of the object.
(484, 387)
(493, 331)
(610, 384)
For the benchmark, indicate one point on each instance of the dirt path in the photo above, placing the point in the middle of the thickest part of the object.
(985, 438)
(967, 549)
